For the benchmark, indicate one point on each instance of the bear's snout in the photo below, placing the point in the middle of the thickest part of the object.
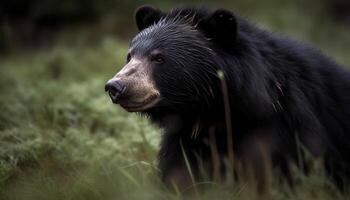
(115, 89)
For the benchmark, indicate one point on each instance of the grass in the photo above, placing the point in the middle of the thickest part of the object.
(56, 122)
(62, 138)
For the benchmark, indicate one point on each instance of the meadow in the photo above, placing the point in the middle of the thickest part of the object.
(62, 138)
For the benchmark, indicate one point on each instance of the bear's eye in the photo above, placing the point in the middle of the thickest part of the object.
(157, 58)
(128, 58)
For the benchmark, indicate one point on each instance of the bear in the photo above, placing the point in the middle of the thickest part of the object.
(233, 98)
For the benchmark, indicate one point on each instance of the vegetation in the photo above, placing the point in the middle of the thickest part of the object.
(62, 138)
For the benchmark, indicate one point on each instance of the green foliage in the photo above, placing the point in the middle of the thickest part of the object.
(56, 119)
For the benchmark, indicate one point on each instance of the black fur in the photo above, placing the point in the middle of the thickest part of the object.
(279, 91)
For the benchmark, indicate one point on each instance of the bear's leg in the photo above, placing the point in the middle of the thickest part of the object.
(255, 159)
(339, 171)
(174, 171)
(178, 177)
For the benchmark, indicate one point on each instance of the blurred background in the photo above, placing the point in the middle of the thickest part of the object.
(61, 137)
(37, 23)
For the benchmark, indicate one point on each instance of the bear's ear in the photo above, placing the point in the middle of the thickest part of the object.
(146, 16)
(220, 26)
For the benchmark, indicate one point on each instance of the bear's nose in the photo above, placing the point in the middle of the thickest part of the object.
(115, 89)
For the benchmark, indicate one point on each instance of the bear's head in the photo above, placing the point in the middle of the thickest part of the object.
(172, 62)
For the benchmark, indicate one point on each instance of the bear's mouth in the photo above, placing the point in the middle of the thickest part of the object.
(145, 104)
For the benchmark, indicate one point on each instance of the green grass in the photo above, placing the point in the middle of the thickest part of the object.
(62, 138)
(56, 123)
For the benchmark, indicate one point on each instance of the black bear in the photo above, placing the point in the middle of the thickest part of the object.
(231, 96)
